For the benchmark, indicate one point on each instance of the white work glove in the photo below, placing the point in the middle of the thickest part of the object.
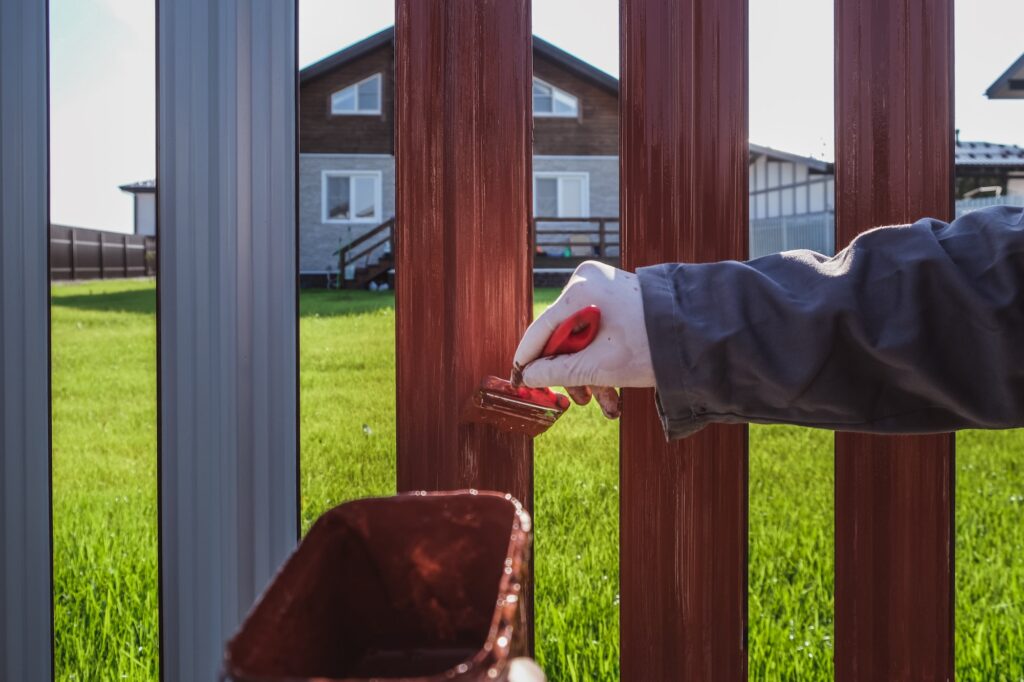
(525, 670)
(618, 356)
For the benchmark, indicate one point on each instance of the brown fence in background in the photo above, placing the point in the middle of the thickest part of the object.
(81, 253)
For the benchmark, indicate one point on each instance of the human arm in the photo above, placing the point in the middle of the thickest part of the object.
(910, 329)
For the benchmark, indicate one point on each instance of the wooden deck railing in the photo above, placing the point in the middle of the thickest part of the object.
(379, 236)
(558, 232)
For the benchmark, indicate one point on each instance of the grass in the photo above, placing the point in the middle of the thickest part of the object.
(104, 481)
(105, 502)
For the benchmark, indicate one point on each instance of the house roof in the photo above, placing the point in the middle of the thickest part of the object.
(1011, 84)
(354, 51)
(569, 62)
(815, 165)
(972, 154)
(576, 65)
(140, 187)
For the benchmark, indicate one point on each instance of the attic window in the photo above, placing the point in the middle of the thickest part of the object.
(550, 101)
(358, 99)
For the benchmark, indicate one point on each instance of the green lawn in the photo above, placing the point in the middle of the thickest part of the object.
(105, 502)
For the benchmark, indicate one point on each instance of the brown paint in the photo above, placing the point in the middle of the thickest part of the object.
(684, 198)
(894, 495)
(463, 288)
(415, 587)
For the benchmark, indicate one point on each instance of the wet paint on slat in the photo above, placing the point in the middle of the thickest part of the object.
(894, 495)
(684, 198)
(463, 151)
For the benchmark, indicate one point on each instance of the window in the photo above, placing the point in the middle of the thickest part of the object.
(561, 195)
(358, 99)
(550, 101)
(351, 197)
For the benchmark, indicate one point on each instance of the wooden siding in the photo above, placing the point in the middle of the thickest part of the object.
(322, 132)
(594, 133)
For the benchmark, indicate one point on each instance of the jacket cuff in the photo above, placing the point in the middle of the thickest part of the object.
(680, 413)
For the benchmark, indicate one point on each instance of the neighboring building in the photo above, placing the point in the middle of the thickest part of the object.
(144, 195)
(1005, 163)
(792, 202)
(1010, 85)
(987, 168)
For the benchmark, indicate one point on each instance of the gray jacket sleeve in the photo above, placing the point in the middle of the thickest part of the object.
(911, 329)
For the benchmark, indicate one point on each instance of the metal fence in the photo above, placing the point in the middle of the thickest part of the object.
(967, 205)
(814, 231)
(83, 253)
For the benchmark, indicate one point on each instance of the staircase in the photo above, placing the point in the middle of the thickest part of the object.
(357, 253)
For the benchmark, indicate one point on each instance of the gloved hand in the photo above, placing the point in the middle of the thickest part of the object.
(618, 356)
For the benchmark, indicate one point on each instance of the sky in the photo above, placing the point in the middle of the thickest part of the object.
(102, 99)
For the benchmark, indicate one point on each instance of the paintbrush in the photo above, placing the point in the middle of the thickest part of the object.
(511, 406)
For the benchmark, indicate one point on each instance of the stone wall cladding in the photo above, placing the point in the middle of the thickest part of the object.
(319, 240)
(604, 190)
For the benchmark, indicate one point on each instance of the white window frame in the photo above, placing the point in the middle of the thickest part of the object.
(378, 208)
(555, 91)
(559, 176)
(357, 111)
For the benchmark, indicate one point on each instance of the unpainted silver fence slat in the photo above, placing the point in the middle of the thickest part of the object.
(227, 316)
(25, 537)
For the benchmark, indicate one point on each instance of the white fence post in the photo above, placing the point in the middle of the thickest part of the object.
(25, 538)
(227, 324)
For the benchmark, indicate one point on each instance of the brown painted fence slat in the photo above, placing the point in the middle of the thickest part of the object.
(894, 496)
(684, 198)
(463, 152)
(463, 156)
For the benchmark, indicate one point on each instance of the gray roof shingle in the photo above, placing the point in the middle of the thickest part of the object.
(989, 154)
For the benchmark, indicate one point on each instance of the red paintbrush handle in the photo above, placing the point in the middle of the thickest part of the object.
(544, 397)
(575, 333)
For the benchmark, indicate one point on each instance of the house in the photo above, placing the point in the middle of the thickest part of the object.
(987, 168)
(347, 171)
(792, 202)
(347, 164)
(144, 197)
(1010, 85)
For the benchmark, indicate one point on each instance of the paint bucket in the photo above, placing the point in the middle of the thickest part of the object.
(420, 586)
